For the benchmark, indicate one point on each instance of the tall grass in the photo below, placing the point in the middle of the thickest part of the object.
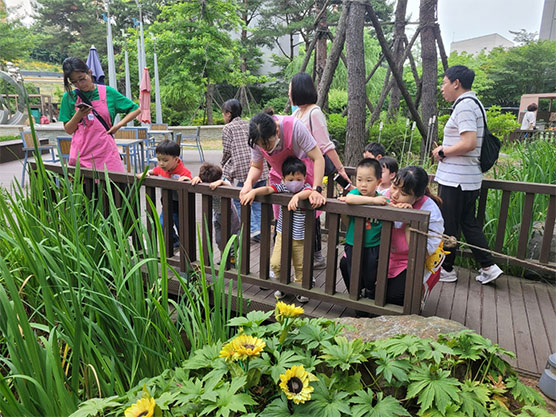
(83, 312)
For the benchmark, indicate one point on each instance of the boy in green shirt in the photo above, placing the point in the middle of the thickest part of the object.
(368, 177)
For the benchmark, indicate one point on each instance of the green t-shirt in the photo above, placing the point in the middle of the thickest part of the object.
(116, 102)
(373, 228)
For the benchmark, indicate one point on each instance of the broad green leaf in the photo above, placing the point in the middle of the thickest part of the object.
(253, 318)
(524, 394)
(474, 397)
(365, 406)
(343, 353)
(388, 367)
(534, 411)
(284, 360)
(433, 389)
(96, 406)
(327, 403)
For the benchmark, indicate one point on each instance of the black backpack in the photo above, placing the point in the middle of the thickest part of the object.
(490, 149)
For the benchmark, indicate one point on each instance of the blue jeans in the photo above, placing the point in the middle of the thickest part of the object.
(255, 210)
(176, 222)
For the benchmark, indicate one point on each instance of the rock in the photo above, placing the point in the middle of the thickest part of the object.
(382, 327)
(534, 250)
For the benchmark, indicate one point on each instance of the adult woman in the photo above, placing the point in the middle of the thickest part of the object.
(274, 138)
(302, 93)
(236, 156)
(92, 142)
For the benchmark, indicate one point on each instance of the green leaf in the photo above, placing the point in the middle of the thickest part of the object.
(277, 408)
(524, 394)
(312, 335)
(204, 357)
(433, 388)
(474, 397)
(253, 318)
(383, 407)
(95, 406)
(344, 353)
(284, 360)
(325, 402)
(388, 367)
(534, 411)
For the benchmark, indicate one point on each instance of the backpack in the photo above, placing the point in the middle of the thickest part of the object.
(490, 149)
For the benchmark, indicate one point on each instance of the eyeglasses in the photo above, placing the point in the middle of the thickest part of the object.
(80, 80)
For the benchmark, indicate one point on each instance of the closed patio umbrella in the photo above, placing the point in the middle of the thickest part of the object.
(145, 97)
(93, 62)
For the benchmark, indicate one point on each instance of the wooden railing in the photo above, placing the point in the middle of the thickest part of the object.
(187, 195)
(529, 135)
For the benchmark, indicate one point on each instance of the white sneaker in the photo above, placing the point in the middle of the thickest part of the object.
(489, 275)
(279, 294)
(301, 299)
(446, 276)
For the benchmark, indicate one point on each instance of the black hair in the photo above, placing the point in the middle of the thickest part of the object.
(389, 163)
(532, 107)
(293, 165)
(414, 180)
(370, 163)
(261, 127)
(168, 147)
(233, 107)
(463, 74)
(303, 89)
(210, 172)
(70, 65)
(375, 148)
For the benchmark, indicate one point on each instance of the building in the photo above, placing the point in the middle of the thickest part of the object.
(548, 27)
(479, 44)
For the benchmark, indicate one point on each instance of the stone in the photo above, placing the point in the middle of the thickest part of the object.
(382, 327)
(534, 250)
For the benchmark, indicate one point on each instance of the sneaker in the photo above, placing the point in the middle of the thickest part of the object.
(446, 276)
(489, 275)
(301, 299)
(279, 294)
(319, 262)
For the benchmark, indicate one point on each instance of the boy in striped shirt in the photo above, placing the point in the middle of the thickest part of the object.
(293, 181)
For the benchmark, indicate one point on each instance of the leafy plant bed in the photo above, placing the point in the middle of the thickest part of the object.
(305, 367)
(12, 150)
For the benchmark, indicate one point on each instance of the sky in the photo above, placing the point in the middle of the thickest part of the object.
(459, 19)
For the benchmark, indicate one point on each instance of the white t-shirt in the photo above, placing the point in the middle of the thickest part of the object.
(462, 170)
(528, 119)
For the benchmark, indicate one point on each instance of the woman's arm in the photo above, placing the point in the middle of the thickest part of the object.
(252, 177)
(71, 126)
(317, 199)
(128, 118)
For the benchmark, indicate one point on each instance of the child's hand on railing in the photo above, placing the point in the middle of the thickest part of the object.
(342, 198)
(400, 205)
(184, 178)
(196, 180)
(248, 198)
(292, 205)
(380, 200)
(216, 184)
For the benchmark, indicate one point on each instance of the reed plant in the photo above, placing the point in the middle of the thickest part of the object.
(84, 306)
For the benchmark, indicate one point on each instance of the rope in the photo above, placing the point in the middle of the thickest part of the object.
(452, 242)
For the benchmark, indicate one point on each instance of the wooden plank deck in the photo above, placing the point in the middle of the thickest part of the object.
(517, 314)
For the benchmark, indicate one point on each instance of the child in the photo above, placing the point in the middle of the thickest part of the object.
(294, 172)
(409, 190)
(389, 167)
(170, 166)
(374, 150)
(212, 175)
(367, 179)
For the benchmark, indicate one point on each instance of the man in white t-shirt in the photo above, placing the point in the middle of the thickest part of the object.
(459, 173)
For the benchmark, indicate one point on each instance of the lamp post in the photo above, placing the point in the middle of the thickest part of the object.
(126, 65)
(143, 58)
(110, 49)
(158, 105)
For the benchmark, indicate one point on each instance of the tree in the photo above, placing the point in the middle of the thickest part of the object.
(16, 40)
(522, 37)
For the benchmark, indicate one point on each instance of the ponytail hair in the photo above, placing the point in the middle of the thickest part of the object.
(415, 180)
(262, 127)
(233, 107)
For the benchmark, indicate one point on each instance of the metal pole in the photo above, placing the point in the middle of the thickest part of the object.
(143, 57)
(110, 49)
(158, 105)
(139, 60)
(127, 77)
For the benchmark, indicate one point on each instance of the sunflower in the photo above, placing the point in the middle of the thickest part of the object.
(142, 408)
(295, 384)
(284, 310)
(246, 347)
(228, 352)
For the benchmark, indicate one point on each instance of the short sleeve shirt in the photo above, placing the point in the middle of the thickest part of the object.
(116, 102)
(462, 170)
(315, 120)
(298, 215)
(179, 171)
(373, 228)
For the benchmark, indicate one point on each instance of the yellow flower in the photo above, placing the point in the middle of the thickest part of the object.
(324, 180)
(142, 408)
(284, 310)
(295, 384)
(247, 346)
(228, 352)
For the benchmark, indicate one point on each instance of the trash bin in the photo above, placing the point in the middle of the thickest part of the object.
(36, 113)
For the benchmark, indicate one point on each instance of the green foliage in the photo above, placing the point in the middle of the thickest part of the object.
(16, 40)
(500, 124)
(397, 136)
(337, 100)
(278, 104)
(337, 128)
(460, 374)
(7, 138)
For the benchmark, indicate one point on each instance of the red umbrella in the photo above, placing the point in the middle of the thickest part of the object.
(145, 97)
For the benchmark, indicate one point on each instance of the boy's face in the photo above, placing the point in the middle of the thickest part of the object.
(387, 176)
(366, 181)
(296, 176)
(167, 162)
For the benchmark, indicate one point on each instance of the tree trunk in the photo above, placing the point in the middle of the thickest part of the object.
(397, 52)
(332, 61)
(208, 101)
(429, 78)
(355, 136)
(320, 34)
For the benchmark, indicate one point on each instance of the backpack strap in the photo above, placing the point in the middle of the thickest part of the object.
(478, 104)
(311, 119)
(97, 115)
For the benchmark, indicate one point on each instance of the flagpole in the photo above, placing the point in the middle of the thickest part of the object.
(158, 105)
(110, 49)
(143, 57)
(127, 77)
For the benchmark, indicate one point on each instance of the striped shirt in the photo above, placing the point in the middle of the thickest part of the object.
(462, 170)
(298, 215)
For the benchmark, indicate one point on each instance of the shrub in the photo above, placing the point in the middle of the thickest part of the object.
(337, 128)
(337, 100)
(305, 367)
(500, 124)
(278, 104)
(396, 136)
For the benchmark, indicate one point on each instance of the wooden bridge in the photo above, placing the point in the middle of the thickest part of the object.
(517, 313)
